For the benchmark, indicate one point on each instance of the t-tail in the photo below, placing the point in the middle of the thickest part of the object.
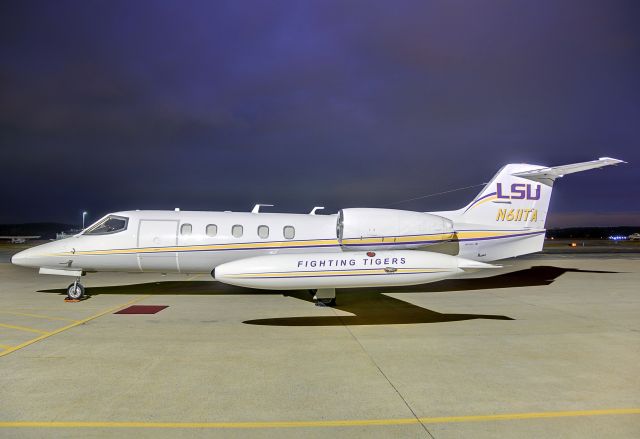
(508, 216)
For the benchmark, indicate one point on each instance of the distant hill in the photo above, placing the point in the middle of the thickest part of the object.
(45, 230)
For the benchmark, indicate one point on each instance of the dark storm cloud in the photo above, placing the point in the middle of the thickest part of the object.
(211, 105)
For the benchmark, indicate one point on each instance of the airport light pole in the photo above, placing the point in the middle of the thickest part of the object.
(83, 215)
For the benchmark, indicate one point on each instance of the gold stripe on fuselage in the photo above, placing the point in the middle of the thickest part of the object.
(211, 247)
(400, 240)
(493, 234)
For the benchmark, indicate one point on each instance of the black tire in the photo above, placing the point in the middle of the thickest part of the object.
(326, 302)
(75, 291)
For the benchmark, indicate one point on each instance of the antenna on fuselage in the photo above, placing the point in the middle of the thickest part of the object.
(256, 208)
(315, 209)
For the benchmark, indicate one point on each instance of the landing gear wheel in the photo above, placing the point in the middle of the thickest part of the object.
(75, 291)
(325, 296)
(326, 302)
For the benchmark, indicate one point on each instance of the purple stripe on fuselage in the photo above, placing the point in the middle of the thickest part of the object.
(341, 275)
(343, 270)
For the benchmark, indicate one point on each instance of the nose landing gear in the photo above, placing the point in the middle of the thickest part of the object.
(75, 291)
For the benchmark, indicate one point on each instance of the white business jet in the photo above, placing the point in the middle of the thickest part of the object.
(354, 248)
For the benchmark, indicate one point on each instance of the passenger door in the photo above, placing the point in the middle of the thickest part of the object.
(156, 243)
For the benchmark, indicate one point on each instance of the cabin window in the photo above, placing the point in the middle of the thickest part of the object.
(186, 229)
(289, 232)
(263, 232)
(110, 224)
(212, 230)
(237, 231)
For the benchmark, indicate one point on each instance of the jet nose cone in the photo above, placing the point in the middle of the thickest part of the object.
(26, 258)
(19, 258)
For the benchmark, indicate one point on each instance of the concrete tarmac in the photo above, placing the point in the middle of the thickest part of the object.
(547, 347)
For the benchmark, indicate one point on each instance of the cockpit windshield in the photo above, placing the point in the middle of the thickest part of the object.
(110, 224)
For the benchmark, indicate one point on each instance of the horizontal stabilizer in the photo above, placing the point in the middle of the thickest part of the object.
(560, 171)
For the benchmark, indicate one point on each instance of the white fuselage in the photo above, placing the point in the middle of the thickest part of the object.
(185, 242)
(157, 241)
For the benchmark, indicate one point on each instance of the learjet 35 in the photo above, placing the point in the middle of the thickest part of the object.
(356, 247)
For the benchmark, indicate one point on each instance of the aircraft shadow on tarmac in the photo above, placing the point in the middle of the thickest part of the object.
(370, 306)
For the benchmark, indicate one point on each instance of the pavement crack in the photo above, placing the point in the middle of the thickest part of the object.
(373, 361)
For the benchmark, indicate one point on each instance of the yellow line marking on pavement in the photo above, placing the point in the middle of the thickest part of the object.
(37, 316)
(23, 328)
(72, 325)
(303, 424)
(534, 415)
(5, 346)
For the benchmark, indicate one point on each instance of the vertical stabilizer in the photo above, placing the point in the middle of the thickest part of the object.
(510, 200)
(519, 194)
(508, 217)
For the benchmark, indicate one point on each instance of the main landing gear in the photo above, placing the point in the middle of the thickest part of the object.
(75, 291)
(324, 296)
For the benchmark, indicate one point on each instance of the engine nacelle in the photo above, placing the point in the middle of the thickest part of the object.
(389, 228)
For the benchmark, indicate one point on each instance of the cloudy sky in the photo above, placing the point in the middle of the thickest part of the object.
(212, 105)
